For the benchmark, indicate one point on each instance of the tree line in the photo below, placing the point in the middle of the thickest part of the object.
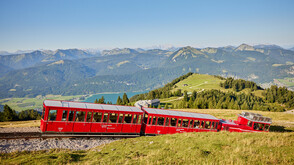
(216, 99)
(9, 114)
(279, 95)
(239, 84)
(164, 92)
(120, 101)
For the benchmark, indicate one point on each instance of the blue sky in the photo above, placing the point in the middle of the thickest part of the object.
(53, 24)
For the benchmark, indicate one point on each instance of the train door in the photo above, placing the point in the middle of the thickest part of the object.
(80, 124)
(112, 126)
(153, 125)
(127, 126)
(70, 120)
(63, 126)
(172, 126)
(97, 123)
(160, 126)
(139, 123)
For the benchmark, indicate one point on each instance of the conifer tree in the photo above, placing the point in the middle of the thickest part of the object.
(119, 101)
(125, 99)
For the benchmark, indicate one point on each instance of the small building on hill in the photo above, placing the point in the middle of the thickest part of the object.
(147, 103)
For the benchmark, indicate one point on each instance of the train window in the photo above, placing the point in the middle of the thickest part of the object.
(135, 119)
(113, 118)
(128, 118)
(154, 120)
(145, 118)
(212, 125)
(160, 121)
(64, 115)
(97, 117)
(266, 127)
(259, 126)
(139, 119)
(185, 123)
(43, 113)
(196, 124)
(150, 118)
(250, 123)
(105, 118)
(216, 124)
(207, 124)
(120, 118)
(71, 116)
(173, 122)
(191, 124)
(80, 116)
(179, 122)
(167, 121)
(89, 116)
(52, 115)
(201, 124)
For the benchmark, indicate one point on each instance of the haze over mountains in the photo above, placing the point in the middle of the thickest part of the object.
(75, 71)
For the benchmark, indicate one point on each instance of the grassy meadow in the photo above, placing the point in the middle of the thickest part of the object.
(187, 148)
(19, 104)
(29, 123)
(198, 82)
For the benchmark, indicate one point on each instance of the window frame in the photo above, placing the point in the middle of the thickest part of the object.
(55, 114)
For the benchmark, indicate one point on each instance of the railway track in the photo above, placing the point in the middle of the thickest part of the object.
(39, 135)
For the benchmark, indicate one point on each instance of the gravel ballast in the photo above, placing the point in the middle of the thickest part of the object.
(12, 145)
(7, 146)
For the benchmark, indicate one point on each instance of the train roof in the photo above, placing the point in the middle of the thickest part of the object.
(179, 113)
(255, 117)
(69, 104)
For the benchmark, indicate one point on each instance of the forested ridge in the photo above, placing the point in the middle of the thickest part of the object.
(9, 114)
(274, 98)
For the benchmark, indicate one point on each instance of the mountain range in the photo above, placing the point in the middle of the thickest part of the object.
(75, 71)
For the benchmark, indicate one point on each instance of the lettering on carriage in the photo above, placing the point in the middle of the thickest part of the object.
(179, 129)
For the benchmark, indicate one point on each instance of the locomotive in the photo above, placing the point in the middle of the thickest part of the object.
(90, 119)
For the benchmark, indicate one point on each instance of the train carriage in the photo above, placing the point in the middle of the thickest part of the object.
(78, 117)
(159, 121)
(247, 122)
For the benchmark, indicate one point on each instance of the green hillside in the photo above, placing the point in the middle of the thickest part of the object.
(199, 82)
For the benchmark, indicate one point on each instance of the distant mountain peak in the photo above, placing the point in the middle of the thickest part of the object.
(187, 52)
(245, 47)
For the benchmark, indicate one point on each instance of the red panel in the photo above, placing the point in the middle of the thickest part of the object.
(114, 127)
(160, 130)
(127, 128)
(98, 127)
(42, 126)
(81, 127)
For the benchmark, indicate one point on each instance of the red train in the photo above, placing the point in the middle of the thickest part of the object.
(81, 118)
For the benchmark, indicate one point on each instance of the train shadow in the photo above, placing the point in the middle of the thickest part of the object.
(277, 128)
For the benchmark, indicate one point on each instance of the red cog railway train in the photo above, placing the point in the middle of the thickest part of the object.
(88, 119)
